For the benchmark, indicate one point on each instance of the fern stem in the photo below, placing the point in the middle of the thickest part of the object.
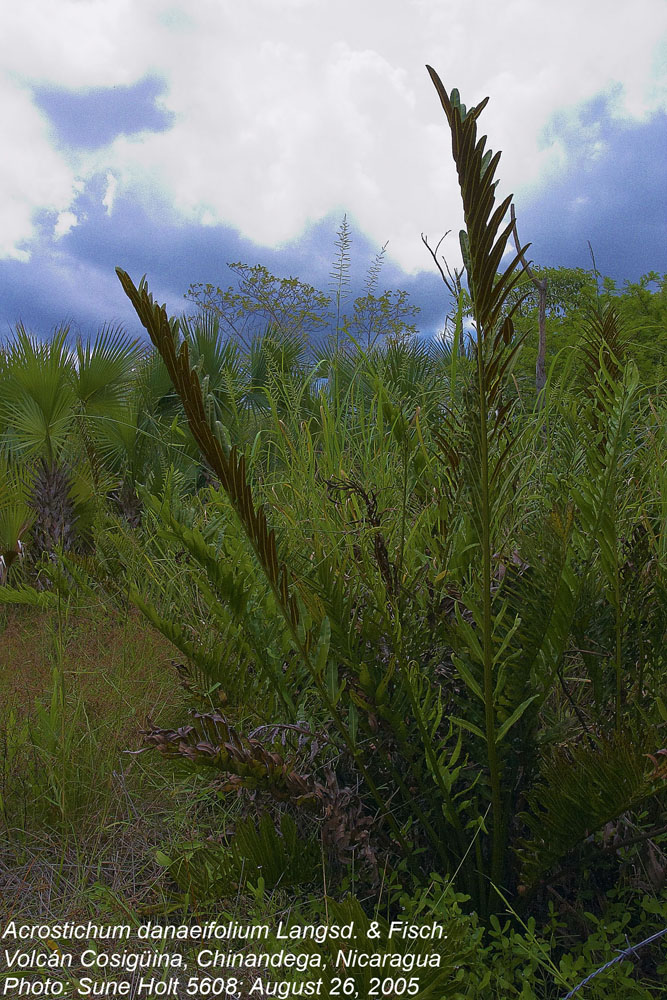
(619, 643)
(337, 720)
(458, 330)
(419, 812)
(450, 810)
(489, 708)
(401, 555)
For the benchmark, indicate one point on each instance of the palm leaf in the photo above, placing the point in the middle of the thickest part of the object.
(37, 399)
(104, 369)
(16, 515)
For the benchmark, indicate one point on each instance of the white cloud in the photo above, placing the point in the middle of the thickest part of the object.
(65, 223)
(286, 110)
(33, 176)
(110, 193)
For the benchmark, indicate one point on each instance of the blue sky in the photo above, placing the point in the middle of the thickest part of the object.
(172, 139)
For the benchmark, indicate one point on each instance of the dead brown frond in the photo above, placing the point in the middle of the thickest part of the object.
(248, 763)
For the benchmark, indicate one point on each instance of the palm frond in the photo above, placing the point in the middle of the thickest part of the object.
(37, 399)
(104, 369)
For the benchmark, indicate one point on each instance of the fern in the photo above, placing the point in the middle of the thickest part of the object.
(230, 468)
(437, 981)
(404, 552)
(579, 790)
(274, 852)
(489, 444)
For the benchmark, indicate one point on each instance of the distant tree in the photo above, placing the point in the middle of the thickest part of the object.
(639, 299)
(572, 293)
(290, 306)
(642, 307)
(383, 317)
(568, 288)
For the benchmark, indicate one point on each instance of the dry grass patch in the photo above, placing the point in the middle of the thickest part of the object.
(120, 667)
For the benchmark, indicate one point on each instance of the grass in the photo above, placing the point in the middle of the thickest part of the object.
(121, 667)
(85, 821)
(81, 814)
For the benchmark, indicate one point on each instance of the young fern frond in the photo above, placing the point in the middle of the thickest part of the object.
(228, 467)
(489, 441)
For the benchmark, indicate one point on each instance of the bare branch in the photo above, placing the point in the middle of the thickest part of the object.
(434, 255)
(531, 274)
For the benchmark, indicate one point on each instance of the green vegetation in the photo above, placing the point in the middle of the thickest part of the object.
(419, 612)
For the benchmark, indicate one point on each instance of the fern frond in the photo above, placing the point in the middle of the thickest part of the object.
(229, 468)
(490, 442)
(232, 598)
(580, 789)
(250, 763)
(28, 596)
(533, 576)
(482, 244)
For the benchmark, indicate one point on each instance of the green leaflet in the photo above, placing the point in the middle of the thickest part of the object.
(514, 717)
(470, 726)
(467, 676)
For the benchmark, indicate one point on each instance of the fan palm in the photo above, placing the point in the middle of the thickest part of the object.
(15, 515)
(38, 405)
(54, 401)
